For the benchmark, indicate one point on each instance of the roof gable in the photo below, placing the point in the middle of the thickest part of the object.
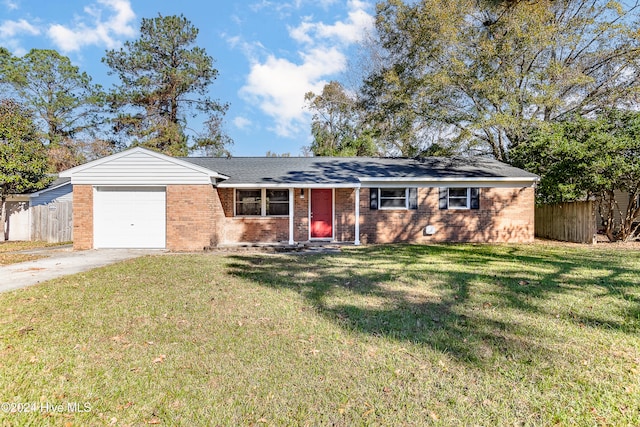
(139, 166)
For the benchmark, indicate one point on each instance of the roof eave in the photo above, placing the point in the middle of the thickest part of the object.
(45, 190)
(289, 185)
(448, 179)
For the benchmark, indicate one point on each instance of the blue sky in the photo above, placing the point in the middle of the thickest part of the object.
(268, 53)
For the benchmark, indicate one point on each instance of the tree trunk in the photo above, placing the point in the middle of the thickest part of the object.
(3, 217)
(627, 228)
(609, 197)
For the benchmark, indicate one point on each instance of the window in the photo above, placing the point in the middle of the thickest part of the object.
(248, 202)
(393, 198)
(277, 202)
(459, 198)
(262, 202)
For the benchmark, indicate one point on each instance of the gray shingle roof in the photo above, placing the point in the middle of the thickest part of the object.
(57, 183)
(351, 170)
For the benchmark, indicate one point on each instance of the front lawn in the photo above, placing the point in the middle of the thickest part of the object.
(383, 335)
(10, 251)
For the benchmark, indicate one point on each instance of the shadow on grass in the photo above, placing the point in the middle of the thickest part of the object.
(465, 300)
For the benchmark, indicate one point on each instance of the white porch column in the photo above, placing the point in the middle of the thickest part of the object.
(291, 208)
(357, 231)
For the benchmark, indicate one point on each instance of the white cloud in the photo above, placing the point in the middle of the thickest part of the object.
(358, 22)
(10, 32)
(277, 85)
(11, 4)
(10, 29)
(242, 122)
(100, 31)
(250, 50)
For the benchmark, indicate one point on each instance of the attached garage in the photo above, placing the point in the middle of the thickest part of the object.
(141, 199)
(129, 217)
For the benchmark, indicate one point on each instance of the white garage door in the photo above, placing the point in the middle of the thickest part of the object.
(129, 217)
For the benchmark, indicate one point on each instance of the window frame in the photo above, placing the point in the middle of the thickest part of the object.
(236, 202)
(267, 203)
(393, 208)
(468, 198)
(263, 203)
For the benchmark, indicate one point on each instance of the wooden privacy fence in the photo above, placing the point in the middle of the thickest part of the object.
(52, 223)
(569, 222)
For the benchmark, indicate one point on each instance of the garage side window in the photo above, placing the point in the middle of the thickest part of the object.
(248, 202)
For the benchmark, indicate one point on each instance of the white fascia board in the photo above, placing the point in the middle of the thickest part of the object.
(70, 172)
(450, 182)
(287, 185)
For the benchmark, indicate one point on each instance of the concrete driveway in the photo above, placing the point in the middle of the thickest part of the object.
(62, 262)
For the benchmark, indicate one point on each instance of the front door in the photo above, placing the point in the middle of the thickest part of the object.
(321, 213)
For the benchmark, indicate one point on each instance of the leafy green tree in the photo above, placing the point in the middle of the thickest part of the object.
(164, 79)
(483, 73)
(67, 105)
(214, 142)
(336, 124)
(5, 59)
(582, 158)
(23, 157)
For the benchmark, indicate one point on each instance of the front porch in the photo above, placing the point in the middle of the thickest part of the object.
(312, 214)
(280, 247)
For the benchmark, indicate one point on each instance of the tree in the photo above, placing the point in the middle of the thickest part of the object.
(270, 153)
(336, 124)
(67, 105)
(164, 80)
(23, 157)
(483, 73)
(582, 158)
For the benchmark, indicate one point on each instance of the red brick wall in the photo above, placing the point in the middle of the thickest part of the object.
(82, 217)
(200, 216)
(301, 215)
(505, 215)
(192, 212)
(345, 214)
(249, 229)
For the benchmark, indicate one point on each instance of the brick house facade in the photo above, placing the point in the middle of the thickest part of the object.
(393, 201)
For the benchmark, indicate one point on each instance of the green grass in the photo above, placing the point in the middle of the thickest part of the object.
(23, 245)
(9, 258)
(8, 251)
(382, 335)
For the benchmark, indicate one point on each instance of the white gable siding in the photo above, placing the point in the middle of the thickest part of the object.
(139, 168)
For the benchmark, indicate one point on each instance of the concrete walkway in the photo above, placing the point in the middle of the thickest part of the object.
(62, 262)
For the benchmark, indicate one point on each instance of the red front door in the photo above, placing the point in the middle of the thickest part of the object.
(321, 214)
